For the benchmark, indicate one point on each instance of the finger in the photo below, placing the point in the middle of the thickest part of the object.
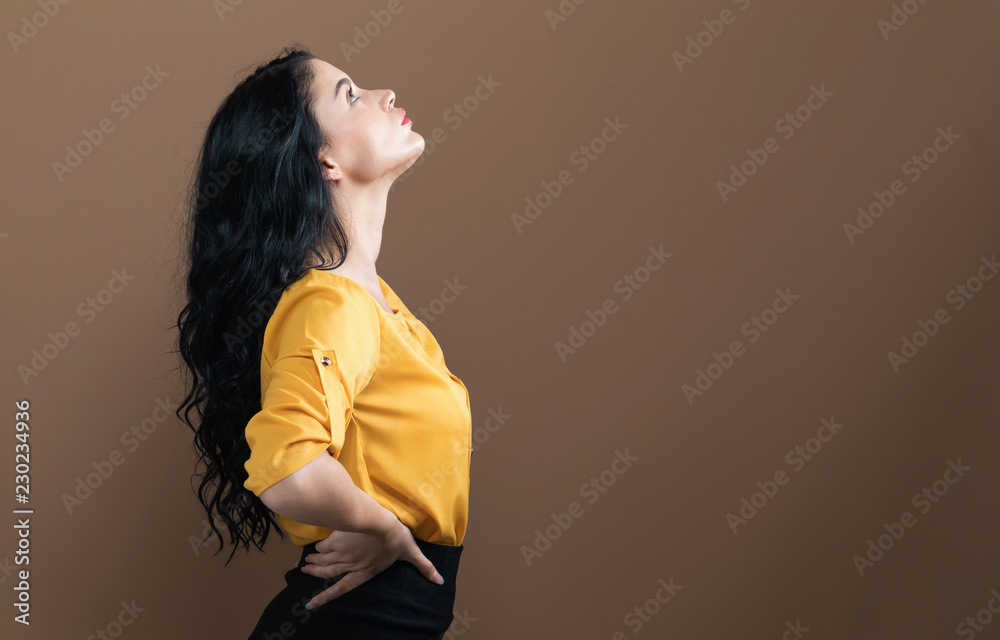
(425, 566)
(326, 545)
(324, 556)
(345, 561)
(327, 570)
(348, 582)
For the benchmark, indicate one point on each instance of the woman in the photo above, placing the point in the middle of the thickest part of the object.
(320, 404)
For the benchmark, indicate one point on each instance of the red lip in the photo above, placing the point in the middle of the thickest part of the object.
(405, 119)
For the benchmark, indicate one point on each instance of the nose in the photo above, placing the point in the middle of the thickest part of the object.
(392, 100)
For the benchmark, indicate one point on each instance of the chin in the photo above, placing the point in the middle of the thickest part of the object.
(418, 150)
(423, 142)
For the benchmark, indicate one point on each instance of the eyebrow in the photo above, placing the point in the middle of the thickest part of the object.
(340, 83)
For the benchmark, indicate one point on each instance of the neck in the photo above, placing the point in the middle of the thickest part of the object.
(362, 208)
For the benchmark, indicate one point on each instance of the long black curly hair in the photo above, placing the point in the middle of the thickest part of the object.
(257, 211)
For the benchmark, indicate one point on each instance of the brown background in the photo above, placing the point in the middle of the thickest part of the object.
(655, 185)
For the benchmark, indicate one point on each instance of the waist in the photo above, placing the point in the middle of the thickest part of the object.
(444, 557)
(401, 584)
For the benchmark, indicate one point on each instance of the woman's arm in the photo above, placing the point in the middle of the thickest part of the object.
(322, 493)
(321, 348)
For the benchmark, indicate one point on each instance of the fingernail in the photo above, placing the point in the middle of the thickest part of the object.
(437, 578)
(310, 606)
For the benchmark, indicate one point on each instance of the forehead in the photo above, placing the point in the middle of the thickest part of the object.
(326, 73)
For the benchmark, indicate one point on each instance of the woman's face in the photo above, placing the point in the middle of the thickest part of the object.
(366, 139)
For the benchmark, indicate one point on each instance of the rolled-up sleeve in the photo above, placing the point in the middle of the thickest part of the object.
(325, 344)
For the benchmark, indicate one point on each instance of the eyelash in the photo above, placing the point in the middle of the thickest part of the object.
(350, 94)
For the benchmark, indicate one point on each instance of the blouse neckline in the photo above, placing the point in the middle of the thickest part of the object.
(383, 285)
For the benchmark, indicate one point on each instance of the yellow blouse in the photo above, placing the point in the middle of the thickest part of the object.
(340, 373)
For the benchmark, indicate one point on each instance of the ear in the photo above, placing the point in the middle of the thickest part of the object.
(330, 169)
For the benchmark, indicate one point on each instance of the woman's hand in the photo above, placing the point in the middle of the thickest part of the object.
(363, 556)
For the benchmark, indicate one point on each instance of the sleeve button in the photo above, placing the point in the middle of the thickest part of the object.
(325, 360)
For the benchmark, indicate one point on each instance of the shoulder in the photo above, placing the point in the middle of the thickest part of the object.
(319, 311)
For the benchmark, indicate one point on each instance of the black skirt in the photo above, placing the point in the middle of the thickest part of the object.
(398, 603)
